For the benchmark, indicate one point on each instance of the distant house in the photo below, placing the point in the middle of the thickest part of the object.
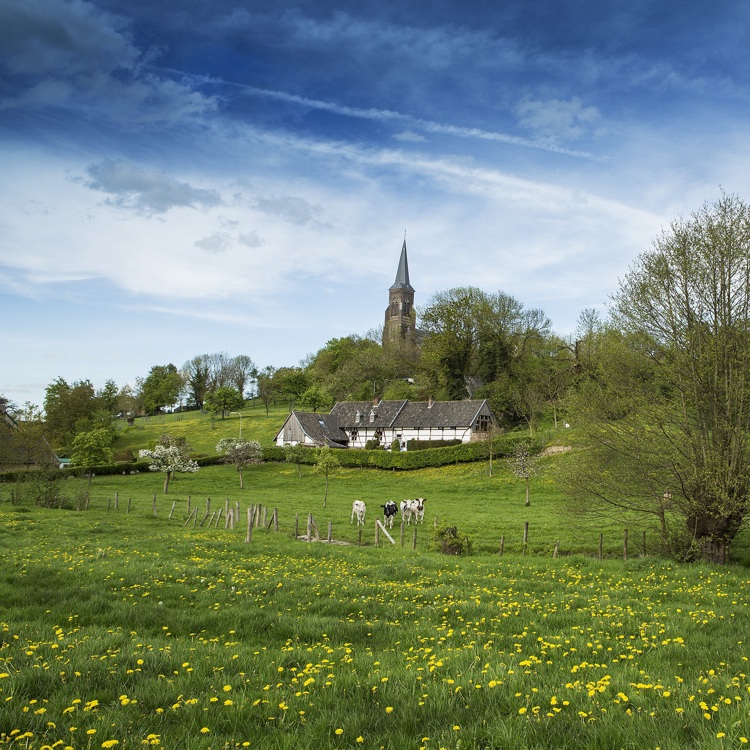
(351, 424)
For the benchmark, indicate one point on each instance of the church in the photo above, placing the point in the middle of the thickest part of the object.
(351, 424)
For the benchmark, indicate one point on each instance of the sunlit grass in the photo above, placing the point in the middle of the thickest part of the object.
(132, 629)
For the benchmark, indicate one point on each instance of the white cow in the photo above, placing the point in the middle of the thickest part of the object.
(412, 510)
(358, 510)
(406, 512)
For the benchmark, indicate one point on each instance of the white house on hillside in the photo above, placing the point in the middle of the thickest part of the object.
(350, 424)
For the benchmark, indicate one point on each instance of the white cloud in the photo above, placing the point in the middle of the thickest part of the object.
(556, 120)
(145, 190)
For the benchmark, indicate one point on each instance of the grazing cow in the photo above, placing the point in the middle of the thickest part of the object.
(358, 510)
(389, 512)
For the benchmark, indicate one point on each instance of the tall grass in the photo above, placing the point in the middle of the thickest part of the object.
(133, 629)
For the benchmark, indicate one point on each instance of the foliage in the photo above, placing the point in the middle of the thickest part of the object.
(93, 448)
(327, 463)
(316, 397)
(224, 399)
(447, 541)
(296, 454)
(70, 409)
(373, 444)
(240, 453)
(170, 455)
(667, 414)
(161, 388)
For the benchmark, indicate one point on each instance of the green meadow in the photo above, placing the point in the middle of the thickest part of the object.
(130, 628)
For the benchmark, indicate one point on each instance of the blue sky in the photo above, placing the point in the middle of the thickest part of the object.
(179, 178)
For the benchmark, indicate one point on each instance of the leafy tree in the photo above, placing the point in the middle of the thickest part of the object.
(678, 416)
(326, 463)
(196, 373)
(291, 382)
(241, 453)
(27, 441)
(223, 400)
(108, 398)
(523, 463)
(242, 371)
(69, 409)
(171, 454)
(267, 387)
(93, 448)
(316, 397)
(294, 454)
(161, 388)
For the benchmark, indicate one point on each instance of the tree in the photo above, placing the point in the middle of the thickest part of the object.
(267, 388)
(291, 382)
(161, 388)
(242, 371)
(70, 409)
(195, 374)
(241, 453)
(523, 463)
(294, 454)
(170, 455)
(326, 464)
(316, 397)
(678, 416)
(93, 448)
(224, 399)
(27, 440)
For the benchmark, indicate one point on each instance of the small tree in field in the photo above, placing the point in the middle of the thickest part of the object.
(170, 455)
(224, 399)
(241, 453)
(294, 454)
(91, 449)
(524, 465)
(326, 464)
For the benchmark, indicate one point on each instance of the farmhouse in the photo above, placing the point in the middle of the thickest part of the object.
(350, 424)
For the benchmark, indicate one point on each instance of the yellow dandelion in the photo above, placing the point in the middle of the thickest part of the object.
(389, 709)
(339, 731)
(362, 739)
(205, 730)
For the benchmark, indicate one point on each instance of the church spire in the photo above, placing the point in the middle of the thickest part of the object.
(402, 275)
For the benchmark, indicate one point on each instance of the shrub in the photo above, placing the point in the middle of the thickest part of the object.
(447, 541)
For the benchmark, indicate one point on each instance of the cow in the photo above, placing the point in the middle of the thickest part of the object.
(358, 509)
(406, 512)
(418, 509)
(389, 512)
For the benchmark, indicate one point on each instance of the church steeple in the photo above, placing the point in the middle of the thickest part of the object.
(400, 317)
(402, 275)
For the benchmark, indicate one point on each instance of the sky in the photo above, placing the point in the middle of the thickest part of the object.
(181, 178)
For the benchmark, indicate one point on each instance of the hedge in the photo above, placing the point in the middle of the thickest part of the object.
(352, 458)
(409, 460)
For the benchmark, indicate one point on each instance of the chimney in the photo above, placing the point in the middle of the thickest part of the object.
(430, 402)
(357, 417)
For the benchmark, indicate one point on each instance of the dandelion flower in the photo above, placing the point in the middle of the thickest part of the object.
(339, 731)
(389, 709)
(205, 730)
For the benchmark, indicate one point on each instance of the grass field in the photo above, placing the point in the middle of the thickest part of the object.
(133, 629)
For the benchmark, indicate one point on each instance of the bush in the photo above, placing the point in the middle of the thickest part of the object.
(420, 445)
(373, 444)
(447, 541)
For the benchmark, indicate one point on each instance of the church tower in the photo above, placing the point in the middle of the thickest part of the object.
(400, 316)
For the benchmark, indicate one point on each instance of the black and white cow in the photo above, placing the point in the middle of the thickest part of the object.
(412, 510)
(389, 513)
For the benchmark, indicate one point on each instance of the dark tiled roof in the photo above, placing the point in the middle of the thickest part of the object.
(345, 412)
(321, 428)
(402, 275)
(408, 413)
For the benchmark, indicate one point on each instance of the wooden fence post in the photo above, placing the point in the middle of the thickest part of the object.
(192, 515)
(117, 500)
(309, 527)
(265, 513)
(276, 520)
(330, 531)
(129, 501)
(153, 505)
(402, 532)
(377, 535)
(171, 510)
(557, 547)
(296, 525)
(249, 535)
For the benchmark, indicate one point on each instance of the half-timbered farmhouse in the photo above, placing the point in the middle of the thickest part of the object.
(350, 424)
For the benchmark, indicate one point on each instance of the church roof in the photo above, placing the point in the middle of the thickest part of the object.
(402, 275)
